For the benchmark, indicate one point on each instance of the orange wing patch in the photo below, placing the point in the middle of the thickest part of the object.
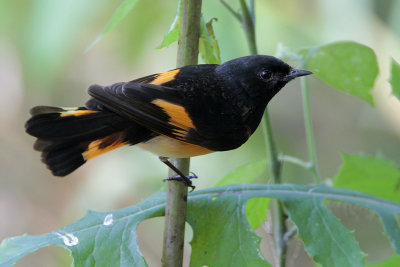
(165, 77)
(178, 116)
(77, 112)
(104, 145)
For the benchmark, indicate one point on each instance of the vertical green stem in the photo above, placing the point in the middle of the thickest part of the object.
(309, 132)
(176, 203)
(248, 26)
(278, 216)
(274, 162)
(277, 212)
(188, 45)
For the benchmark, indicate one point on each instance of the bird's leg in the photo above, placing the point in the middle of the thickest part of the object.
(181, 176)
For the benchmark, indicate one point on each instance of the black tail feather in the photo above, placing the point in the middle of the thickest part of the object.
(53, 125)
(69, 137)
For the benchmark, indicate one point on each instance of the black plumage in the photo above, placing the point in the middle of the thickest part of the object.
(184, 112)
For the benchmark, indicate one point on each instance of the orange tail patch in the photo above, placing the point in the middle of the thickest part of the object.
(106, 144)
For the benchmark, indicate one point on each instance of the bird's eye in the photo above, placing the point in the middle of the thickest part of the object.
(265, 74)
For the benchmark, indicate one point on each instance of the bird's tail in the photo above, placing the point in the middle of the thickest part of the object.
(68, 137)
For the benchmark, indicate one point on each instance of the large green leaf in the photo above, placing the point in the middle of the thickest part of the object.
(347, 66)
(372, 175)
(232, 241)
(395, 79)
(325, 238)
(118, 16)
(256, 208)
(99, 238)
(245, 174)
(376, 176)
(104, 239)
(392, 262)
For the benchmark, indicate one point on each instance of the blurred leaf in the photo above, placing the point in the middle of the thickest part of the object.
(208, 45)
(256, 211)
(175, 29)
(372, 175)
(286, 54)
(118, 16)
(347, 66)
(395, 79)
(245, 174)
(256, 208)
(220, 228)
(392, 262)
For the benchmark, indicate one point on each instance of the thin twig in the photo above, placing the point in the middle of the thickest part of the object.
(296, 161)
(252, 11)
(230, 9)
(309, 132)
(248, 26)
(290, 234)
(176, 205)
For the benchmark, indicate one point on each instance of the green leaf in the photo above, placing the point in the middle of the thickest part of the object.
(118, 16)
(256, 211)
(395, 78)
(391, 227)
(256, 208)
(218, 221)
(347, 66)
(230, 241)
(372, 175)
(245, 174)
(325, 238)
(104, 238)
(376, 176)
(393, 261)
(175, 29)
(208, 45)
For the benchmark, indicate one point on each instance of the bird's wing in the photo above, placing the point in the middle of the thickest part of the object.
(156, 107)
(159, 103)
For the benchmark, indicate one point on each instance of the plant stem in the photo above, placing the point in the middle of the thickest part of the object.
(188, 45)
(294, 160)
(274, 162)
(278, 216)
(175, 217)
(277, 212)
(248, 27)
(230, 9)
(309, 133)
(176, 203)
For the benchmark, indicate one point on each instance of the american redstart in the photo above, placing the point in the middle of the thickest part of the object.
(185, 112)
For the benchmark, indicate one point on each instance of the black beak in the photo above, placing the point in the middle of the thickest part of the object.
(297, 73)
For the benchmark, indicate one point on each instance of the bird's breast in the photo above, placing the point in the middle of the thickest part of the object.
(162, 145)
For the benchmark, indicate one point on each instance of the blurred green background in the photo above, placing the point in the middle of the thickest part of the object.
(42, 62)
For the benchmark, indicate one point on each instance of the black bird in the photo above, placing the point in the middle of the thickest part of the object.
(185, 112)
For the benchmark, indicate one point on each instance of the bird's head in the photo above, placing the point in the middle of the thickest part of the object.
(259, 75)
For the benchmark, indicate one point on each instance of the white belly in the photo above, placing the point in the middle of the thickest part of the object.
(168, 147)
